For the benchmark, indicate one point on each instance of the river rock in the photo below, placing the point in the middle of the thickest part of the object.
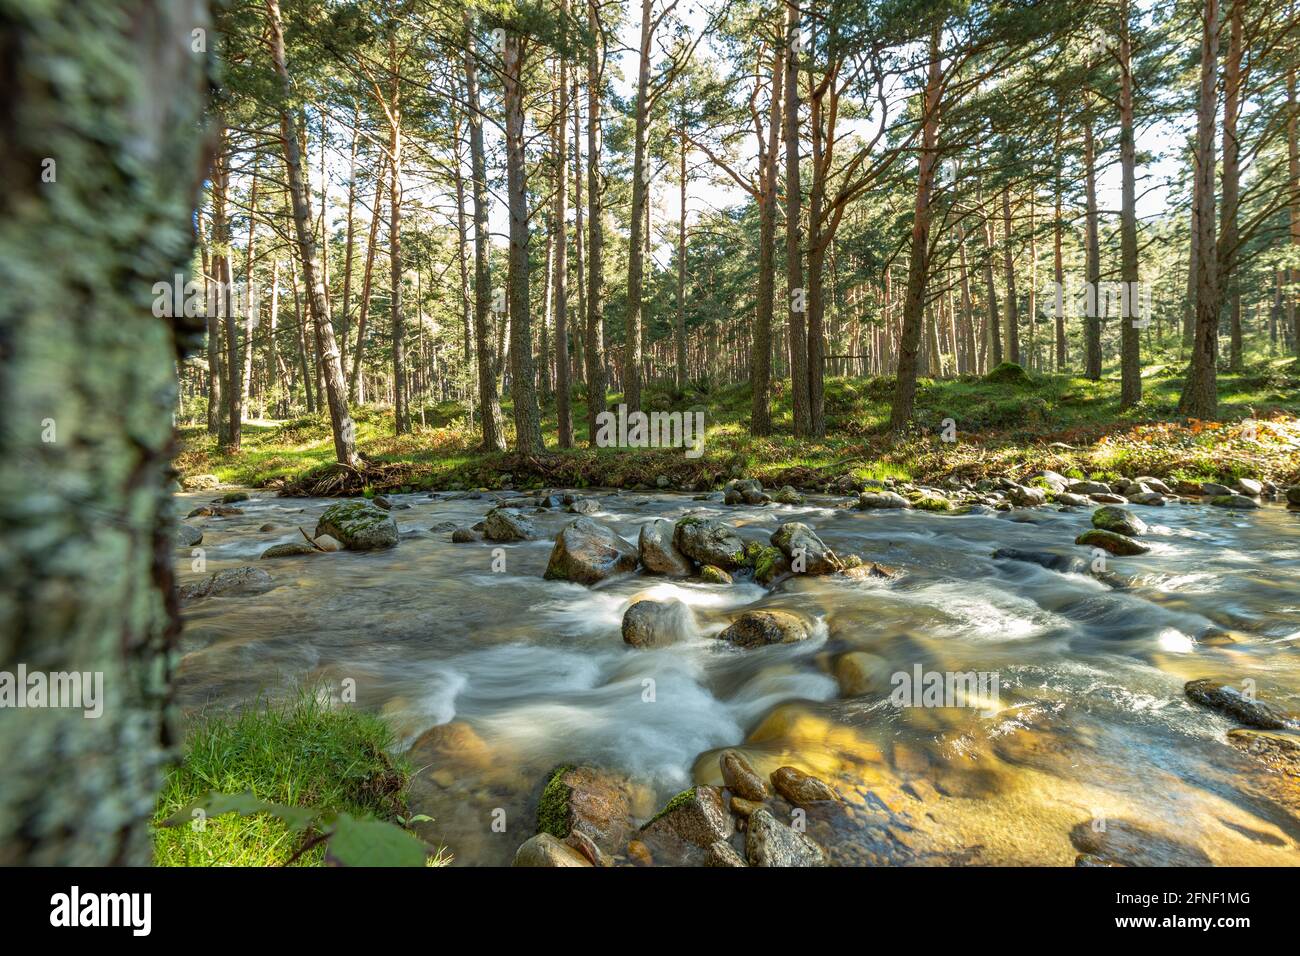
(1073, 500)
(1027, 496)
(1231, 702)
(327, 542)
(1234, 501)
(803, 549)
(1213, 489)
(200, 482)
(1281, 751)
(658, 623)
(504, 525)
(1088, 488)
(709, 542)
(583, 506)
(711, 575)
(465, 536)
(231, 582)
(740, 776)
(658, 553)
(546, 850)
(1117, 544)
(1250, 487)
(697, 816)
(587, 552)
(788, 496)
(359, 525)
(744, 491)
(590, 800)
(1108, 498)
(1065, 564)
(801, 788)
(234, 497)
(882, 499)
(1147, 497)
(859, 672)
(288, 549)
(1118, 520)
(187, 536)
(215, 511)
(769, 842)
(1293, 495)
(768, 626)
(1126, 843)
(453, 744)
(722, 853)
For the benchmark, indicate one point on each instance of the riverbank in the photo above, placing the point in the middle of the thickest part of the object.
(998, 426)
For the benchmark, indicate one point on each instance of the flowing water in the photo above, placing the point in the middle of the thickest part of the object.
(1090, 737)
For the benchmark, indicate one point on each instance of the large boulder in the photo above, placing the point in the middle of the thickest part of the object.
(231, 582)
(709, 542)
(658, 623)
(658, 553)
(359, 525)
(504, 525)
(594, 802)
(803, 549)
(1117, 544)
(588, 552)
(769, 842)
(767, 626)
(1231, 702)
(1119, 520)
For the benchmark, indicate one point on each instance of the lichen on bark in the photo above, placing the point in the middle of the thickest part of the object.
(101, 108)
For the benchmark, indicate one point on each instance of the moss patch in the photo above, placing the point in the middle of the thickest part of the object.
(553, 807)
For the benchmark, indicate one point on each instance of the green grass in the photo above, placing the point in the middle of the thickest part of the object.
(1001, 423)
(300, 753)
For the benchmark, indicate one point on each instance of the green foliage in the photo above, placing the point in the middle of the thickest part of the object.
(272, 776)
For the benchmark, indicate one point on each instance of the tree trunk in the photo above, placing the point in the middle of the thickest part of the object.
(1130, 333)
(528, 427)
(561, 281)
(679, 327)
(1092, 253)
(1009, 267)
(401, 413)
(797, 294)
(344, 430)
(1200, 392)
(919, 267)
(635, 254)
(760, 420)
(488, 400)
(595, 241)
(87, 383)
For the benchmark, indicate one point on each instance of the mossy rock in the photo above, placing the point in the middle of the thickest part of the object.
(359, 525)
(1008, 373)
(1118, 544)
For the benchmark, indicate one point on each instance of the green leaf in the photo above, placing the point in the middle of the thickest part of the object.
(244, 804)
(356, 842)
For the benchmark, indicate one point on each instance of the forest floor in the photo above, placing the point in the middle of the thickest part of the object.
(1004, 424)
